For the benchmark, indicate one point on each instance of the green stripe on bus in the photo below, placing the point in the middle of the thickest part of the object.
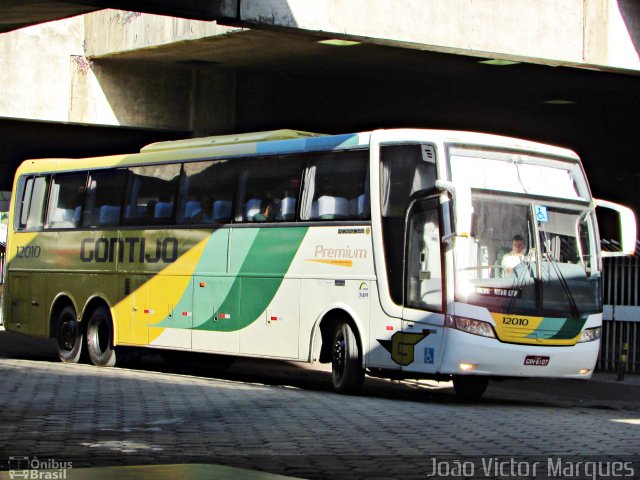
(558, 328)
(272, 252)
(242, 297)
(570, 329)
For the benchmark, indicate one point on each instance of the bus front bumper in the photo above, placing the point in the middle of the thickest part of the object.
(472, 354)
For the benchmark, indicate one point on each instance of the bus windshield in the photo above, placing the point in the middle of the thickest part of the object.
(529, 259)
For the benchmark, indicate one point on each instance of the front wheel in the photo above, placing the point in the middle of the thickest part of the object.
(69, 336)
(100, 338)
(346, 361)
(470, 387)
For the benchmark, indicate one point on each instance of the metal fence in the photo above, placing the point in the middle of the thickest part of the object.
(621, 325)
(2, 256)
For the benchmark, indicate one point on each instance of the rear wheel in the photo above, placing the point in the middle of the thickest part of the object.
(100, 338)
(69, 336)
(346, 364)
(470, 387)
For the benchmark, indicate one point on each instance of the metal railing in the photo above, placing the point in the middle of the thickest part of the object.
(620, 344)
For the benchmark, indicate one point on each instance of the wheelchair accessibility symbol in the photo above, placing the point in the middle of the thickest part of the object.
(541, 213)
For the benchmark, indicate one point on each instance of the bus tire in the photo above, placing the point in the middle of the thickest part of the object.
(346, 361)
(69, 335)
(100, 338)
(470, 387)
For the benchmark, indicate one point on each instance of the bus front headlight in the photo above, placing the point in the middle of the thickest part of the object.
(475, 327)
(590, 334)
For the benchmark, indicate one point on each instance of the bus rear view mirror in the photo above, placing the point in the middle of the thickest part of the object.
(462, 206)
(617, 225)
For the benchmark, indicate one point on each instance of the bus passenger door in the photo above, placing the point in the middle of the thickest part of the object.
(420, 345)
(215, 314)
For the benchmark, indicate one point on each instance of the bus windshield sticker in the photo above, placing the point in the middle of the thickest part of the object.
(541, 213)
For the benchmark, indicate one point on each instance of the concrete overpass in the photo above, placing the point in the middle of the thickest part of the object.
(22, 13)
(111, 80)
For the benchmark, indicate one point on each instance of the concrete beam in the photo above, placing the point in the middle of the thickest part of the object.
(589, 33)
(193, 9)
(22, 13)
(115, 32)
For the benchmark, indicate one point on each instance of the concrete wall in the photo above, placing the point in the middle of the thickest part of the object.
(601, 33)
(35, 74)
(46, 74)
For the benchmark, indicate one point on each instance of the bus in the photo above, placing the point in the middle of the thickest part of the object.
(382, 253)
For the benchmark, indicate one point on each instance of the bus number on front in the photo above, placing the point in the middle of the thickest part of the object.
(523, 322)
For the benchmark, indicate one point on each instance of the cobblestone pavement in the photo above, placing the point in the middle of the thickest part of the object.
(280, 418)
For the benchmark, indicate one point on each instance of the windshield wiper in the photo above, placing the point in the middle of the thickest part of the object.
(565, 286)
(520, 281)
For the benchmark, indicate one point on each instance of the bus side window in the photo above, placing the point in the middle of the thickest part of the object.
(151, 196)
(207, 192)
(32, 209)
(66, 198)
(269, 189)
(104, 197)
(336, 187)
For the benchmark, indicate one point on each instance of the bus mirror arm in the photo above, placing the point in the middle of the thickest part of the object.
(447, 238)
(462, 207)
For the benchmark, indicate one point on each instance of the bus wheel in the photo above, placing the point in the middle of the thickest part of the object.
(346, 366)
(470, 387)
(100, 338)
(69, 336)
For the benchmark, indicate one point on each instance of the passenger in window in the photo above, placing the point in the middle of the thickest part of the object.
(515, 256)
(266, 213)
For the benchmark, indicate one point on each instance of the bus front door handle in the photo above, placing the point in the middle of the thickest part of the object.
(35, 303)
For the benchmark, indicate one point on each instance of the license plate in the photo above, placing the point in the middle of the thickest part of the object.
(536, 360)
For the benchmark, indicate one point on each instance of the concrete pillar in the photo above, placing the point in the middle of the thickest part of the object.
(188, 98)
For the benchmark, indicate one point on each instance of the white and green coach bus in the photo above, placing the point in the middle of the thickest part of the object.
(380, 252)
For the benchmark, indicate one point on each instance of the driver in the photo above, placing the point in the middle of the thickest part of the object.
(515, 256)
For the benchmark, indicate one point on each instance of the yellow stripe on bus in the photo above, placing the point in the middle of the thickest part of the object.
(148, 304)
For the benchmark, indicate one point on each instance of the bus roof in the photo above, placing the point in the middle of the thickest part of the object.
(214, 141)
(277, 142)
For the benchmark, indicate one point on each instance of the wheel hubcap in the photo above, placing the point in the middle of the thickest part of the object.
(68, 334)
